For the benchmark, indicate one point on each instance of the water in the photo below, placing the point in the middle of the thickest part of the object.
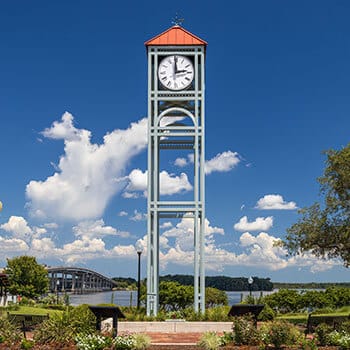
(127, 298)
(119, 297)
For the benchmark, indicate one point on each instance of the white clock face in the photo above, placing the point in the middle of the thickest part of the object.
(175, 72)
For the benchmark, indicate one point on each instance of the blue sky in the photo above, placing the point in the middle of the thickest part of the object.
(73, 98)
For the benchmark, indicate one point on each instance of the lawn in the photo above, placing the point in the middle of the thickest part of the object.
(31, 310)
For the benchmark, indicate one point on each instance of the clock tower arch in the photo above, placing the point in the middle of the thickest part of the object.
(176, 115)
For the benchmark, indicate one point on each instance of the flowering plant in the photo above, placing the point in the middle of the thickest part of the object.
(124, 342)
(92, 342)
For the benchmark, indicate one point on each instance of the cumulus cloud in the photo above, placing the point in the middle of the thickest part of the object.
(222, 162)
(138, 216)
(18, 227)
(274, 202)
(51, 225)
(12, 245)
(169, 183)
(259, 224)
(96, 228)
(89, 174)
(181, 162)
(176, 247)
(167, 224)
(122, 213)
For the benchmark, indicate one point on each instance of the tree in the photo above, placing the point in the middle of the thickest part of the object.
(174, 296)
(325, 230)
(26, 277)
(214, 296)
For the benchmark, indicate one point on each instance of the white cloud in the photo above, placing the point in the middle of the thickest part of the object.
(183, 233)
(222, 162)
(51, 225)
(137, 181)
(181, 162)
(129, 195)
(83, 249)
(260, 251)
(274, 202)
(122, 213)
(18, 227)
(167, 224)
(138, 216)
(63, 130)
(89, 174)
(176, 247)
(169, 183)
(12, 245)
(260, 224)
(96, 228)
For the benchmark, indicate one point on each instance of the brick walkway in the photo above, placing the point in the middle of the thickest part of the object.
(174, 338)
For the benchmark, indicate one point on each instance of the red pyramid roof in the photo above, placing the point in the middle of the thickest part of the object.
(175, 35)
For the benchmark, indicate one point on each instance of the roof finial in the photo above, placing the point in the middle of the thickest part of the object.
(177, 21)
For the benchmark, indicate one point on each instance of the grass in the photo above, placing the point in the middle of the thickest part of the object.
(302, 317)
(30, 310)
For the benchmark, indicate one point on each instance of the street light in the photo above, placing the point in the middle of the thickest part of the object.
(139, 249)
(250, 282)
(57, 286)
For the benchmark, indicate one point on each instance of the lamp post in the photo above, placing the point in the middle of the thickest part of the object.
(57, 286)
(139, 249)
(250, 282)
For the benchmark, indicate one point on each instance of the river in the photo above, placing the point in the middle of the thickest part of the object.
(127, 298)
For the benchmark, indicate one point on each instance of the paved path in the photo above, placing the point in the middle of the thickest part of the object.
(174, 338)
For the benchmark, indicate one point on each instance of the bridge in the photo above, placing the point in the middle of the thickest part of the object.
(77, 280)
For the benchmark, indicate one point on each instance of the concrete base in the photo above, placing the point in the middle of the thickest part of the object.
(173, 327)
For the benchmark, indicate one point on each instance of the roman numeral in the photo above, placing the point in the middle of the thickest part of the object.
(164, 78)
(188, 66)
(162, 72)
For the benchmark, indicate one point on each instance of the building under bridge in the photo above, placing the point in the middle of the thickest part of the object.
(78, 280)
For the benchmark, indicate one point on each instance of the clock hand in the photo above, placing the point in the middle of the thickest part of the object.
(181, 71)
(175, 64)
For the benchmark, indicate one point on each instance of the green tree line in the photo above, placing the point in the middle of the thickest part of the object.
(224, 283)
(311, 285)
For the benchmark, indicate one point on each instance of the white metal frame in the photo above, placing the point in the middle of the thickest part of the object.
(189, 103)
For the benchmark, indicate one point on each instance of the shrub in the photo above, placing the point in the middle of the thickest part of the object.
(9, 333)
(92, 342)
(267, 314)
(308, 344)
(123, 342)
(27, 344)
(210, 341)
(280, 333)
(26, 301)
(245, 331)
(322, 332)
(227, 338)
(341, 339)
(141, 341)
(63, 327)
(218, 313)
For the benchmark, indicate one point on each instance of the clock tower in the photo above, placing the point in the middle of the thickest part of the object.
(176, 113)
